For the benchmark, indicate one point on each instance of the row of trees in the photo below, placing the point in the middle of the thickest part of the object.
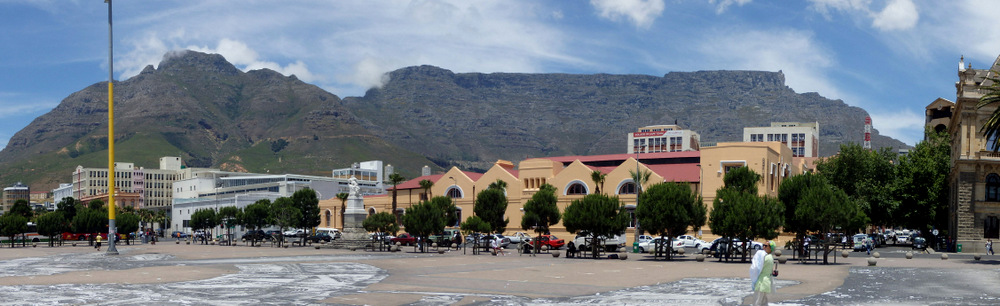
(300, 211)
(71, 216)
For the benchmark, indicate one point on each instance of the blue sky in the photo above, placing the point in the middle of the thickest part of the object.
(890, 57)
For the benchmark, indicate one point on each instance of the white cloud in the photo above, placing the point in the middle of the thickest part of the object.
(239, 54)
(795, 53)
(897, 15)
(902, 124)
(723, 4)
(640, 12)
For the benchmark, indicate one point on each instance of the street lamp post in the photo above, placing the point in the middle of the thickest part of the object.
(112, 229)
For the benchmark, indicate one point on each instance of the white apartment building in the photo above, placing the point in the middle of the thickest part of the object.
(663, 138)
(64, 190)
(801, 137)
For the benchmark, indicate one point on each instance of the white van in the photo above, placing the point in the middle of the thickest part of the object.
(335, 233)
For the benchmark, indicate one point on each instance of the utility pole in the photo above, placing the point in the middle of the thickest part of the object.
(112, 230)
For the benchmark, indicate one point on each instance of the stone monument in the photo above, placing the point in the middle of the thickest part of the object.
(354, 234)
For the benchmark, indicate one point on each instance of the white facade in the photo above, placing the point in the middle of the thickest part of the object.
(370, 175)
(64, 191)
(663, 138)
(801, 137)
(153, 185)
(180, 213)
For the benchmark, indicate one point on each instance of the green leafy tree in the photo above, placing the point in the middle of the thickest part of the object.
(127, 223)
(382, 222)
(475, 224)
(867, 177)
(52, 224)
(923, 183)
(12, 225)
(90, 221)
(821, 209)
(204, 219)
(395, 179)
(229, 217)
(597, 214)
(790, 193)
(541, 211)
(991, 98)
(308, 204)
(426, 186)
(96, 204)
(21, 208)
(738, 212)
(668, 209)
(448, 207)
(491, 204)
(424, 219)
(498, 184)
(68, 207)
(257, 216)
(284, 214)
(598, 179)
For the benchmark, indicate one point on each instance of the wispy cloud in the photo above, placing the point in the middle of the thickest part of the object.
(894, 16)
(642, 13)
(724, 4)
(902, 124)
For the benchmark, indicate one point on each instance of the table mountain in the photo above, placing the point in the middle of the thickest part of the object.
(202, 108)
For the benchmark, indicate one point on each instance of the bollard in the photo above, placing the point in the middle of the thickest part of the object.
(876, 254)
(909, 255)
(944, 256)
(872, 261)
(845, 253)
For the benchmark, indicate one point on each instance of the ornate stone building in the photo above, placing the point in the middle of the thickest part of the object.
(974, 179)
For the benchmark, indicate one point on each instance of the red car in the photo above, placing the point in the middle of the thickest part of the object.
(549, 240)
(404, 239)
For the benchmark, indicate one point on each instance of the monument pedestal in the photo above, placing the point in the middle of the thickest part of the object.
(354, 234)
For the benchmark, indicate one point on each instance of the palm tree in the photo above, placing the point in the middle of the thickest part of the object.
(395, 179)
(499, 184)
(991, 97)
(639, 177)
(426, 185)
(343, 205)
(598, 179)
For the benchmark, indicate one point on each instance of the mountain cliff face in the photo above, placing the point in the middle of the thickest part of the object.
(477, 118)
(200, 107)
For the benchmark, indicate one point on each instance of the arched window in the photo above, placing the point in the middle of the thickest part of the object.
(576, 189)
(627, 188)
(328, 215)
(993, 187)
(454, 193)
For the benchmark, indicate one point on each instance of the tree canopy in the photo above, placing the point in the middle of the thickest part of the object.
(597, 214)
(382, 222)
(423, 220)
(257, 216)
(12, 225)
(991, 98)
(307, 203)
(491, 206)
(22, 209)
(923, 183)
(541, 211)
(52, 224)
(668, 209)
(865, 176)
(475, 224)
(738, 212)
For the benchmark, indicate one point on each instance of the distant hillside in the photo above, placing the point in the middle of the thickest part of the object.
(200, 107)
(475, 118)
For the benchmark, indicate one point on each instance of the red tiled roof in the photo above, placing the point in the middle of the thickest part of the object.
(415, 183)
(610, 157)
(677, 172)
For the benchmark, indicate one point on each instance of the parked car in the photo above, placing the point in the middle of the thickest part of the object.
(518, 237)
(688, 241)
(722, 246)
(859, 242)
(650, 246)
(258, 235)
(583, 242)
(179, 234)
(334, 233)
(644, 238)
(550, 240)
(404, 239)
(320, 236)
(294, 233)
(919, 243)
(445, 237)
(504, 241)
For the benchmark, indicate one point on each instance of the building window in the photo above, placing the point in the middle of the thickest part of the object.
(576, 189)
(991, 227)
(454, 193)
(675, 144)
(631, 217)
(627, 188)
(328, 218)
(992, 187)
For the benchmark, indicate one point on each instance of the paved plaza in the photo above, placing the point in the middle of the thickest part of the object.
(175, 274)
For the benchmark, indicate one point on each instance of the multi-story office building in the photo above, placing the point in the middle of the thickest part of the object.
(13, 193)
(370, 175)
(63, 191)
(662, 138)
(801, 137)
(147, 188)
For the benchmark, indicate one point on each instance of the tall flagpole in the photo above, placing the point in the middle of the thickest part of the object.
(112, 235)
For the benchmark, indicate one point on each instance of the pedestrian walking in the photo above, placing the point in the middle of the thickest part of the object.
(989, 246)
(762, 274)
(98, 242)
